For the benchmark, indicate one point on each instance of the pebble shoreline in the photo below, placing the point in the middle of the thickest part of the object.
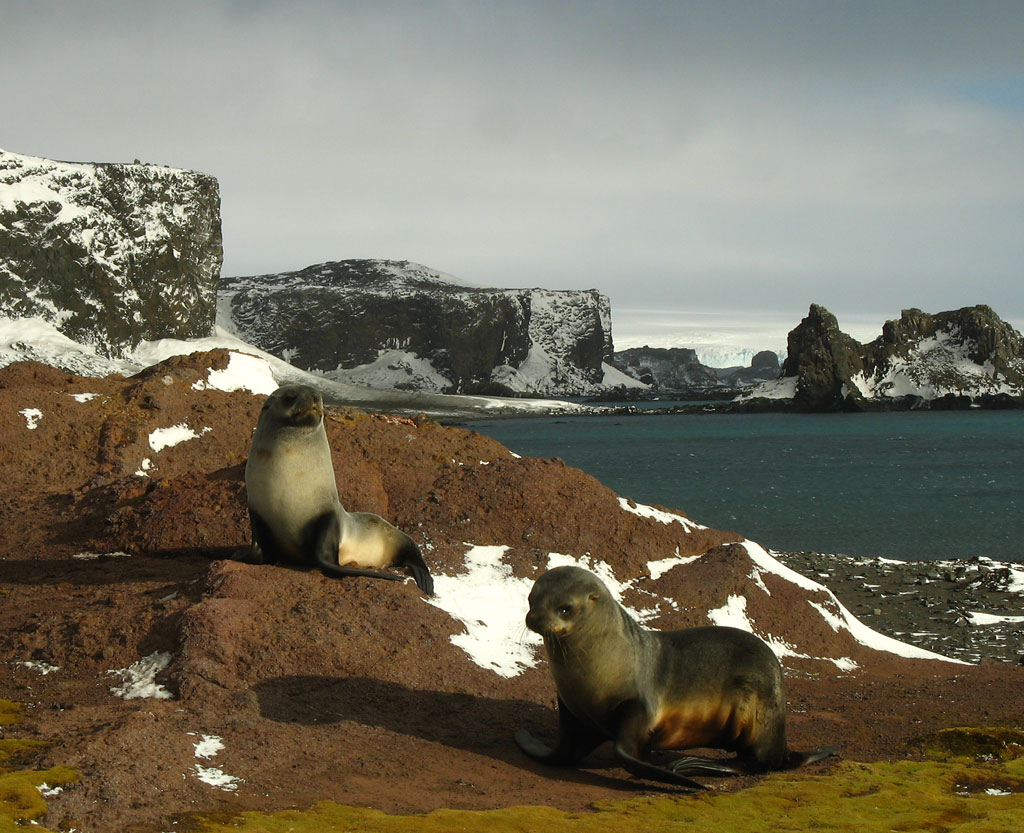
(930, 604)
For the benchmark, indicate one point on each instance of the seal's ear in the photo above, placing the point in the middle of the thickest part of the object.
(595, 596)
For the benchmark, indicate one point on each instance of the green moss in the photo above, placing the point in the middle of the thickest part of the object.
(980, 744)
(931, 796)
(20, 799)
(10, 713)
(15, 752)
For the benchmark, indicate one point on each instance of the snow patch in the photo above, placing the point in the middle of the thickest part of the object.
(163, 438)
(32, 417)
(492, 605)
(83, 397)
(838, 616)
(244, 372)
(992, 619)
(140, 678)
(659, 515)
(42, 667)
(659, 567)
(217, 778)
(784, 388)
(733, 614)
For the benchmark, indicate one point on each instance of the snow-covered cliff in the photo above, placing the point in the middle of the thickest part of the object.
(110, 254)
(395, 324)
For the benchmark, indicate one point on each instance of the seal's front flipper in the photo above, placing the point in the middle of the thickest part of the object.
(576, 740)
(264, 549)
(634, 724)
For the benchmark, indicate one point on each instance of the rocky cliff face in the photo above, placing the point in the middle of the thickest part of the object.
(666, 368)
(400, 325)
(953, 357)
(110, 254)
(679, 369)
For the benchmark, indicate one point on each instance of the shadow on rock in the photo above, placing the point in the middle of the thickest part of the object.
(476, 724)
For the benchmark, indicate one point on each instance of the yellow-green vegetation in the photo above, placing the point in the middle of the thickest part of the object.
(956, 795)
(10, 713)
(20, 799)
(984, 744)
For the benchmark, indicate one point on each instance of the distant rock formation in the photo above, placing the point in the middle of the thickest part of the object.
(396, 324)
(666, 368)
(949, 359)
(110, 254)
(678, 369)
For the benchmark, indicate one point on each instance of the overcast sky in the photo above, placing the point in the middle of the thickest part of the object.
(700, 156)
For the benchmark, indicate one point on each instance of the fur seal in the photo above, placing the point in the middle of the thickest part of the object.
(294, 509)
(708, 687)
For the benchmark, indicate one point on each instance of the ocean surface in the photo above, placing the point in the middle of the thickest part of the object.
(914, 486)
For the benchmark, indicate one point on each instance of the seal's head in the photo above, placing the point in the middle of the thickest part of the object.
(564, 600)
(298, 406)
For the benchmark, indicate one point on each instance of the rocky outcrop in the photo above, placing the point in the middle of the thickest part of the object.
(960, 357)
(399, 325)
(666, 368)
(110, 254)
(823, 359)
(679, 370)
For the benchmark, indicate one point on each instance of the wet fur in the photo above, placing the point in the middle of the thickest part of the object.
(710, 687)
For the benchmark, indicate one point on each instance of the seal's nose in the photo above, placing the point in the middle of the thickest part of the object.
(533, 621)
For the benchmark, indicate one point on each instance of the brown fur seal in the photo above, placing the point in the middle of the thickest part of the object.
(294, 509)
(710, 687)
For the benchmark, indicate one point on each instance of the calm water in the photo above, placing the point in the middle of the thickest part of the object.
(916, 486)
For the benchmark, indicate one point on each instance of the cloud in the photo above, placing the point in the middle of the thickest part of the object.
(670, 153)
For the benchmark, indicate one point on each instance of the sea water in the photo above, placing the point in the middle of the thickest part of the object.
(914, 486)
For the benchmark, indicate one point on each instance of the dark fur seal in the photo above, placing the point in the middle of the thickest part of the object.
(294, 509)
(710, 687)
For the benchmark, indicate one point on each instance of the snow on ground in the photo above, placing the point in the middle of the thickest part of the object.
(32, 417)
(784, 388)
(43, 668)
(835, 613)
(733, 614)
(249, 368)
(139, 678)
(937, 366)
(393, 369)
(992, 619)
(162, 438)
(613, 377)
(659, 515)
(207, 747)
(492, 603)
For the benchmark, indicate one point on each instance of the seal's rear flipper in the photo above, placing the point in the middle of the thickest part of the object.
(820, 754)
(411, 558)
(697, 765)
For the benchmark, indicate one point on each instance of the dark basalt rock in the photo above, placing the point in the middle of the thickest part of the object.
(666, 368)
(950, 360)
(824, 359)
(110, 254)
(341, 315)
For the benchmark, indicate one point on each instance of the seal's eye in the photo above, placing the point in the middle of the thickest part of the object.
(565, 610)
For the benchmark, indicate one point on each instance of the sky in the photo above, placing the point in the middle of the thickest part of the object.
(706, 158)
